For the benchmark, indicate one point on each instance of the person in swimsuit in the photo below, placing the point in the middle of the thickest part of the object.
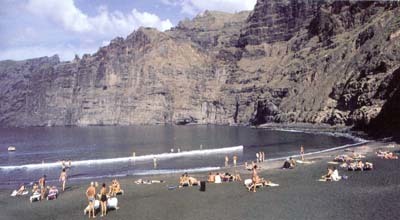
(302, 152)
(90, 194)
(255, 178)
(234, 160)
(103, 200)
(42, 185)
(63, 178)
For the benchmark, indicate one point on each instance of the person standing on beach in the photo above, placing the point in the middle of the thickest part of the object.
(63, 178)
(262, 156)
(234, 160)
(90, 194)
(258, 157)
(42, 185)
(302, 152)
(226, 160)
(254, 177)
(103, 200)
(155, 162)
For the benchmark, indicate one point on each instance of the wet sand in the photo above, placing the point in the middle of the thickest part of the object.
(364, 195)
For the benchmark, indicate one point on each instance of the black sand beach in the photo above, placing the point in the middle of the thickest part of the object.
(364, 195)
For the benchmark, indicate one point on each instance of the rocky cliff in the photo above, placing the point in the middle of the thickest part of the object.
(286, 61)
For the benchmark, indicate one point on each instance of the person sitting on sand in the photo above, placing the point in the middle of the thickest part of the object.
(211, 178)
(360, 165)
(292, 162)
(183, 180)
(21, 190)
(335, 175)
(328, 176)
(192, 181)
(35, 188)
(368, 165)
(237, 177)
(90, 194)
(218, 178)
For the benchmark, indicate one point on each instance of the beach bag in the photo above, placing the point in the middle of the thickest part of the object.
(202, 186)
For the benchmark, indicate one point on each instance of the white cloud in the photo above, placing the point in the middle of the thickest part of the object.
(65, 52)
(194, 7)
(107, 23)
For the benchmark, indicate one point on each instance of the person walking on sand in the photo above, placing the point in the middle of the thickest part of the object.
(63, 178)
(226, 160)
(302, 152)
(234, 160)
(103, 200)
(90, 194)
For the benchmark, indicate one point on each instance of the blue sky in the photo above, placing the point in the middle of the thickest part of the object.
(34, 28)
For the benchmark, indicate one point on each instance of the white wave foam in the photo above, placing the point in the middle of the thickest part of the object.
(163, 156)
(320, 151)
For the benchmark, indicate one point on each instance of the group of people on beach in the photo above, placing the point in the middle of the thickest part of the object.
(234, 159)
(387, 155)
(105, 197)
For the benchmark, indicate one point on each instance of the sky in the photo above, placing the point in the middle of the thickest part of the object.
(36, 28)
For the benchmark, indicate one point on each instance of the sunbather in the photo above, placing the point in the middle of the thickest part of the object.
(391, 156)
(21, 190)
(211, 178)
(90, 194)
(103, 200)
(328, 176)
(335, 175)
(368, 166)
(53, 193)
(183, 180)
(218, 178)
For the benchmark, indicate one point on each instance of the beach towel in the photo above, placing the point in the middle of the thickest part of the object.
(333, 162)
(15, 193)
(304, 161)
(172, 187)
(272, 184)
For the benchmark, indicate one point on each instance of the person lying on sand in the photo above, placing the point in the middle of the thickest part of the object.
(193, 181)
(391, 156)
(343, 158)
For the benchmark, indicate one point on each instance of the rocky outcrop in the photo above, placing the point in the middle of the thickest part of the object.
(287, 61)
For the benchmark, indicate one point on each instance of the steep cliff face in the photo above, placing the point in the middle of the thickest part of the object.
(286, 61)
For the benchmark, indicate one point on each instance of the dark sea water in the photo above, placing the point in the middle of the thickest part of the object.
(98, 152)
